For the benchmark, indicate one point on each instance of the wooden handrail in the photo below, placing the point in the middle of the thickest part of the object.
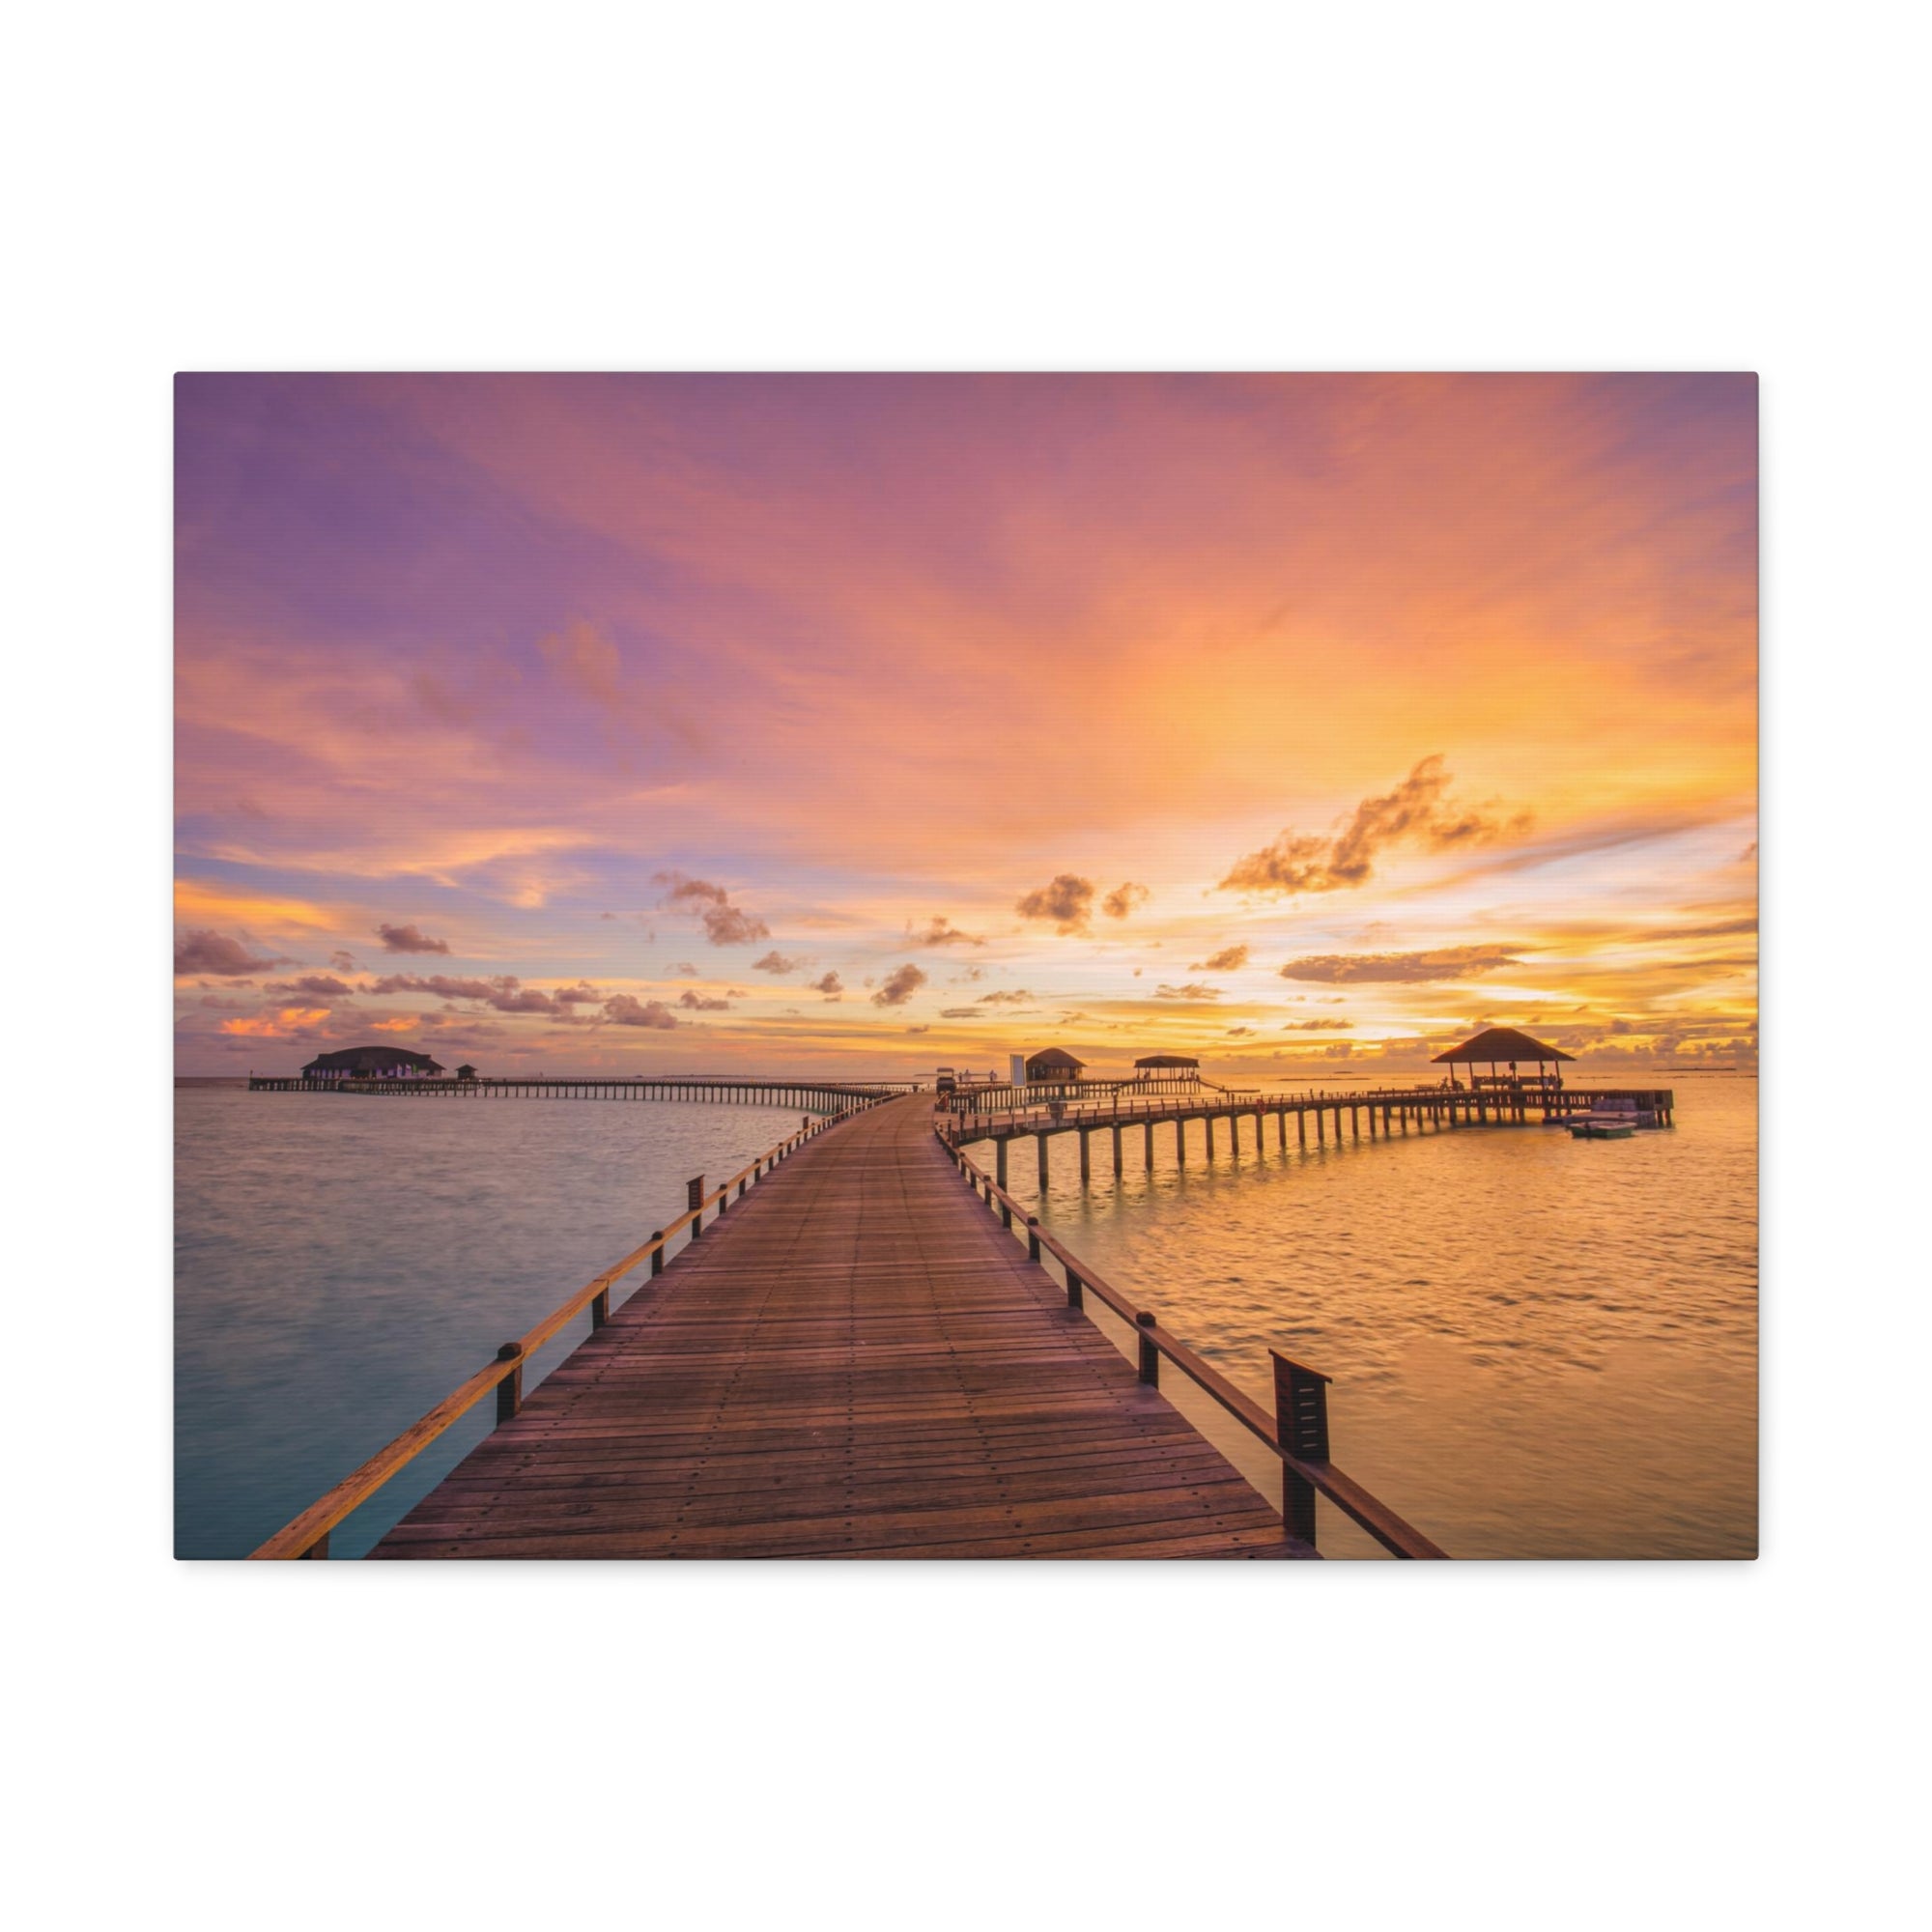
(308, 1535)
(1395, 1535)
(974, 1123)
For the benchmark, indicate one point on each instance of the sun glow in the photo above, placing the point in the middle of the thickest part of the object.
(875, 724)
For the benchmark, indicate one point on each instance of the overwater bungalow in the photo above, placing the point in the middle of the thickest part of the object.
(372, 1062)
(1053, 1064)
(1497, 1047)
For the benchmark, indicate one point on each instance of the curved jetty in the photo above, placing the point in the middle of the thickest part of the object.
(855, 1360)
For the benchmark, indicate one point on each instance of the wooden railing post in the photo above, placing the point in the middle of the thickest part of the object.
(1075, 1294)
(1033, 1238)
(1301, 1427)
(318, 1550)
(658, 1253)
(600, 1308)
(1149, 1354)
(510, 1390)
(693, 1201)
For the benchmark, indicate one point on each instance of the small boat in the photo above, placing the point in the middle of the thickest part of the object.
(1604, 1127)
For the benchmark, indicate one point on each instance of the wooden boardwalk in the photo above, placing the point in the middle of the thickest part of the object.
(855, 1361)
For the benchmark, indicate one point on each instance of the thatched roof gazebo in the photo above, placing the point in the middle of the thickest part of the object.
(1166, 1063)
(1502, 1046)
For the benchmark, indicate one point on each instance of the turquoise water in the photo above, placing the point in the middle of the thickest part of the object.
(1540, 1346)
(341, 1264)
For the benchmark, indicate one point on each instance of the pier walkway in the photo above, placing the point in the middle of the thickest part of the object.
(1383, 1111)
(855, 1361)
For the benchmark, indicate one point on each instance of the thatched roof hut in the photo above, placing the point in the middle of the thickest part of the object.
(1502, 1046)
(1053, 1062)
(1155, 1063)
(371, 1063)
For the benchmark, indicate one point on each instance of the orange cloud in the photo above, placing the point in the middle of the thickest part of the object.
(283, 1024)
(726, 625)
(199, 903)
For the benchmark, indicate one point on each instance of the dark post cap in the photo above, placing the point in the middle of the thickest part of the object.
(1144, 1319)
(1032, 1220)
(509, 1351)
(1300, 1368)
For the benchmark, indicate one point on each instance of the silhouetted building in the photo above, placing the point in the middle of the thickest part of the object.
(1497, 1047)
(1054, 1063)
(372, 1062)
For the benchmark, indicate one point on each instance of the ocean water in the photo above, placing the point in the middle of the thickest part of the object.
(1540, 1346)
(341, 1264)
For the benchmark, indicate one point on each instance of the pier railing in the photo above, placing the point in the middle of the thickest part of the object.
(818, 1095)
(308, 1536)
(1132, 1110)
(1298, 1433)
(1488, 1102)
(994, 1096)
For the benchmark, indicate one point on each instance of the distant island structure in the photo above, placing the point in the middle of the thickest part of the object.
(374, 1062)
(1504, 1046)
(394, 1072)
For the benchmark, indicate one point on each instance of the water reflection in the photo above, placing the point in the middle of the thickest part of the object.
(340, 1266)
(1542, 1346)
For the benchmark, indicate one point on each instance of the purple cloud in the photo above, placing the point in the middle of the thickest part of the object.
(408, 939)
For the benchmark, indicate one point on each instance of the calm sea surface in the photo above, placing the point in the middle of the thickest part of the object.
(1540, 1346)
(341, 1264)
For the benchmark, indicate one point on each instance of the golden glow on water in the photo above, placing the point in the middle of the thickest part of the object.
(1540, 1346)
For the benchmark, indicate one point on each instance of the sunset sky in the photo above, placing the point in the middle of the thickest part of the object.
(618, 723)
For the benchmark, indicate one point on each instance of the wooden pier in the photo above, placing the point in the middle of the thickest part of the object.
(813, 1095)
(1318, 1116)
(864, 1357)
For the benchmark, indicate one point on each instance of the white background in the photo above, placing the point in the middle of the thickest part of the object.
(1215, 187)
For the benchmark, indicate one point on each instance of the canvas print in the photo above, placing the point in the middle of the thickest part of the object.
(966, 966)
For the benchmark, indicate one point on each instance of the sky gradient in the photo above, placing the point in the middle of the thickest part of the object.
(873, 723)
